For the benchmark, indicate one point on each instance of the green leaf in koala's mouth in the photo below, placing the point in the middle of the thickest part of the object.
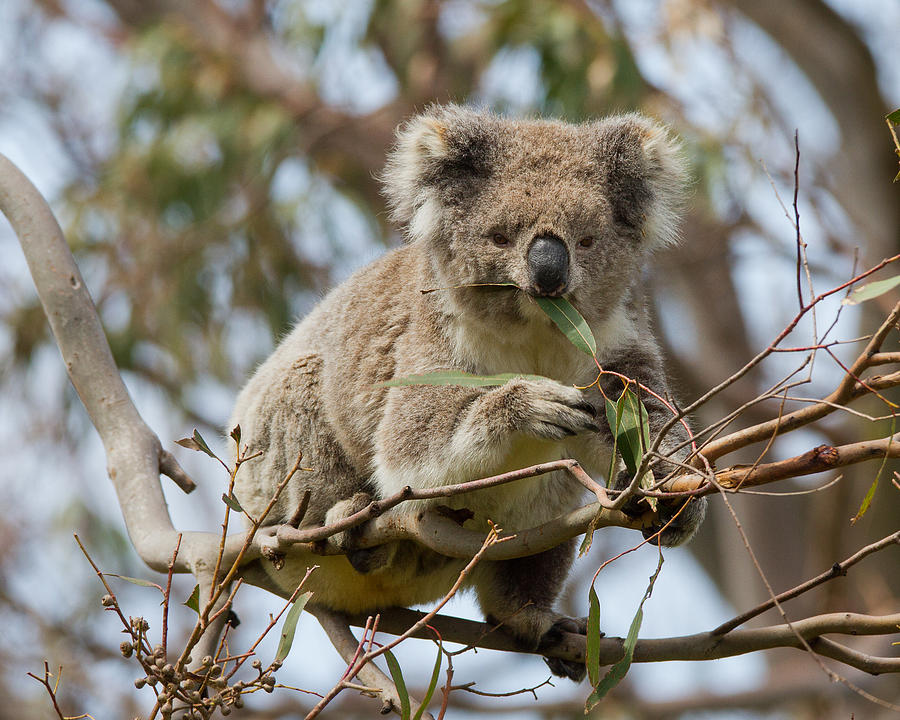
(570, 321)
(456, 377)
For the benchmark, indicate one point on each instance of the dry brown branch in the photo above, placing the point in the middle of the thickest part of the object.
(51, 691)
(445, 536)
(288, 534)
(849, 389)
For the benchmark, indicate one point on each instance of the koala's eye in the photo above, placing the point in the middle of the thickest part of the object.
(500, 239)
(586, 242)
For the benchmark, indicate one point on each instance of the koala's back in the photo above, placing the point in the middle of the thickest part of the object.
(318, 394)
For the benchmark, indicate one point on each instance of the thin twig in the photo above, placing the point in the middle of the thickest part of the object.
(836, 570)
(167, 594)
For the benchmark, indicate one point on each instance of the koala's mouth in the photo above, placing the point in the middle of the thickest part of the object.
(532, 292)
(555, 293)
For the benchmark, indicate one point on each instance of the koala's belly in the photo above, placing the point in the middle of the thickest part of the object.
(336, 585)
(520, 504)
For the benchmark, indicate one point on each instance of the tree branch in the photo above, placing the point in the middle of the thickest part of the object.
(702, 646)
(134, 454)
(836, 570)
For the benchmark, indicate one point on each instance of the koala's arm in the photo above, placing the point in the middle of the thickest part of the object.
(432, 436)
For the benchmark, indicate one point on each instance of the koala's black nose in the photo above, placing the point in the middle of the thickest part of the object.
(548, 266)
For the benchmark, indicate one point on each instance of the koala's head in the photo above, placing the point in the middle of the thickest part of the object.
(554, 208)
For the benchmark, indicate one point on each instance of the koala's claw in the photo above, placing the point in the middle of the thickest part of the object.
(565, 668)
(680, 530)
(552, 410)
(575, 671)
(363, 560)
(682, 527)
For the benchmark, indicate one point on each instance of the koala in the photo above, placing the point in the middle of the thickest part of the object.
(556, 209)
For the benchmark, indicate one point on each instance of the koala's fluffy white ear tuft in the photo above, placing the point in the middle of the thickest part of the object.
(433, 150)
(646, 175)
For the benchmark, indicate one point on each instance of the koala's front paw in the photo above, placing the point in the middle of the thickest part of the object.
(363, 560)
(549, 409)
(565, 668)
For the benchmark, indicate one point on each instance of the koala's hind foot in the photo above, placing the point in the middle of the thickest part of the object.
(683, 524)
(363, 560)
(518, 596)
(565, 668)
(558, 624)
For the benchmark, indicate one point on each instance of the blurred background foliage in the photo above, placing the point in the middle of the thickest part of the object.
(214, 162)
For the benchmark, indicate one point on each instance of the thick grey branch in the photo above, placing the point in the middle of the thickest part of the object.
(702, 646)
(134, 454)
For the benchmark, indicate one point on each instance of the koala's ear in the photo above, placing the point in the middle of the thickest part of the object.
(445, 148)
(646, 176)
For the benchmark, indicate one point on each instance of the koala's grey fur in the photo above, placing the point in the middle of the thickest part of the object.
(462, 182)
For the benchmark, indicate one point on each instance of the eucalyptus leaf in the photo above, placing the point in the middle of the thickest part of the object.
(456, 377)
(630, 425)
(196, 442)
(570, 321)
(135, 581)
(870, 493)
(193, 602)
(647, 482)
(620, 668)
(399, 683)
(232, 502)
(435, 675)
(592, 656)
(871, 290)
(894, 117)
(589, 534)
(290, 626)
